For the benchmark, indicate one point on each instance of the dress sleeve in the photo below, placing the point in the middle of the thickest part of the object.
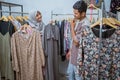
(14, 54)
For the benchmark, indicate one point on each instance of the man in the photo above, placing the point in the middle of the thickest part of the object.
(79, 9)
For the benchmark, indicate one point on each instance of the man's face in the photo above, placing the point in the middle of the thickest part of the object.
(77, 14)
(38, 17)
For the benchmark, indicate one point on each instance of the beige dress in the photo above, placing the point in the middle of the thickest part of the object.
(27, 56)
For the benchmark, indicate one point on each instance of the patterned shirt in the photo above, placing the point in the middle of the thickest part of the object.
(74, 48)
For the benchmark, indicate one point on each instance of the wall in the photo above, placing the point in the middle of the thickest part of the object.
(46, 6)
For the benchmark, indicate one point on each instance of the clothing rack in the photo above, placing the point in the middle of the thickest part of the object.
(10, 6)
(55, 14)
(100, 41)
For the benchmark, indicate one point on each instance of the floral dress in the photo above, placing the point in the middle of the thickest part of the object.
(103, 64)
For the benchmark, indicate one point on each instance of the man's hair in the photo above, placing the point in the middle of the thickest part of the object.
(81, 6)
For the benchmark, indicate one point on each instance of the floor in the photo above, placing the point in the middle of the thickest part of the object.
(63, 65)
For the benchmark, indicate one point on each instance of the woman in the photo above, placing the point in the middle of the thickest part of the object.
(35, 20)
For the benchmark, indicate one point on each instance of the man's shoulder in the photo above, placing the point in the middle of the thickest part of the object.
(86, 22)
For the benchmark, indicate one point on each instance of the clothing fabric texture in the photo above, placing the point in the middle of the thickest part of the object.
(109, 56)
(6, 31)
(16, 24)
(114, 5)
(67, 37)
(52, 50)
(73, 74)
(74, 48)
(62, 37)
(61, 28)
(27, 55)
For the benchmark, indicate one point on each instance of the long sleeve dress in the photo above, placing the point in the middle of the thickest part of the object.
(52, 50)
(27, 56)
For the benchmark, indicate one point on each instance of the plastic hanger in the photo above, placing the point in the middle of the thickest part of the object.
(114, 21)
(26, 28)
(12, 17)
(9, 18)
(92, 6)
(25, 17)
(107, 22)
(19, 18)
(4, 18)
(104, 21)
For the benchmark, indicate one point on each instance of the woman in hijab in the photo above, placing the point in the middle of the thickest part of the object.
(35, 20)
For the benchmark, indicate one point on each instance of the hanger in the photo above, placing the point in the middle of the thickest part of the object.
(92, 6)
(19, 18)
(25, 17)
(4, 18)
(114, 21)
(10, 18)
(26, 28)
(104, 21)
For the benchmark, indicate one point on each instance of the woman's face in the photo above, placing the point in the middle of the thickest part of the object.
(38, 17)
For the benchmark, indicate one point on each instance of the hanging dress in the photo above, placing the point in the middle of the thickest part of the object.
(6, 30)
(52, 50)
(109, 65)
(27, 55)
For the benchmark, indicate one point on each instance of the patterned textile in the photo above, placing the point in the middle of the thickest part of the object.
(74, 48)
(27, 55)
(109, 65)
(67, 37)
(114, 5)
